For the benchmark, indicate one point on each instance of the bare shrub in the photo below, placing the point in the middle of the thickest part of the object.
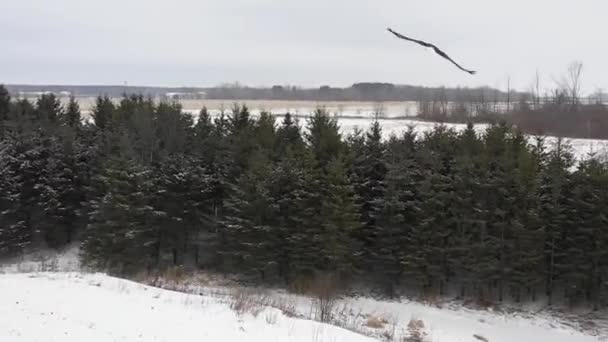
(415, 329)
(324, 291)
(286, 305)
(245, 301)
(49, 265)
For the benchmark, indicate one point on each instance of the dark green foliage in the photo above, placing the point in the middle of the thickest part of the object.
(5, 103)
(103, 113)
(324, 138)
(15, 235)
(48, 109)
(72, 116)
(61, 195)
(122, 235)
(369, 170)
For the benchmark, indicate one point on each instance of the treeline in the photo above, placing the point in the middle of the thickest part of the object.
(144, 187)
(371, 92)
(556, 116)
(365, 91)
(562, 112)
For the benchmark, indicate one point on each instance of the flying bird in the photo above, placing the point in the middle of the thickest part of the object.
(428, 45)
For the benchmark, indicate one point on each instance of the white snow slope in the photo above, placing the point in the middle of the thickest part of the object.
(72, 307)
(75, 307)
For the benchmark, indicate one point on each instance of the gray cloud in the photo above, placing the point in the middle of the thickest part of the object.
(313, 42)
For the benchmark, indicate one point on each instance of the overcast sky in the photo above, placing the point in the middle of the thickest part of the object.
(309, 43)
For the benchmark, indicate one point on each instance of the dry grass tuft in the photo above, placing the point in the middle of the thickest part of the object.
(375, 322)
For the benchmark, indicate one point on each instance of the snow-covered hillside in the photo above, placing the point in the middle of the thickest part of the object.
(74, 307)
(445, 323)
(95, 307)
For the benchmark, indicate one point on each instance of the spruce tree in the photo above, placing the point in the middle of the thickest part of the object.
(250, 221)
(72, 116)
(15, 235)
(103, 112)
(48, 109)
(122, 235)
(341, 223)
(5, 103)
(369, 182)
(554, 212)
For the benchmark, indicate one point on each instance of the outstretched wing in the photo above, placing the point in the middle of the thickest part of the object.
(399, 35)
(444, 55)
(435, 48)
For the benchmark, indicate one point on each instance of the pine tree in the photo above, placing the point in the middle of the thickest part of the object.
(48, 109)
(5, 103)
(174, 129)
(466, 240)
(72, 116)
(239, 132)
(324, 138)
(250, 221)
(34, 150)
(289, 137)
(122, 235)
(60, 195)
(554, 212)
(340, 217)
(526, 255)
(183, 192)
(286, 187)
(306, 240)
(369, 182)
(400, 213)
(586, 253)
(22, 115)
(204, 144)
(15, 235)
(103, 112)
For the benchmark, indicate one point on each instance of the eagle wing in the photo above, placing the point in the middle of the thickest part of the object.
(435, 48)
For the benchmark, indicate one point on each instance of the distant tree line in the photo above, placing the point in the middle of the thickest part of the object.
(560, 112)
(370, 91)
(144, 186)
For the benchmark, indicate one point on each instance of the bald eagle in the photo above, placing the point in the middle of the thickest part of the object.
(428, 45)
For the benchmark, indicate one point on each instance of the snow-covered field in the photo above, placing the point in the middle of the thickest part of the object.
(95, 307)
(449, 322)
(45, 297)
(77, 307)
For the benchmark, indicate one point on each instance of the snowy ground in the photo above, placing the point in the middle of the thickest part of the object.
(75, 307)
(448, 323)
(66, 305)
